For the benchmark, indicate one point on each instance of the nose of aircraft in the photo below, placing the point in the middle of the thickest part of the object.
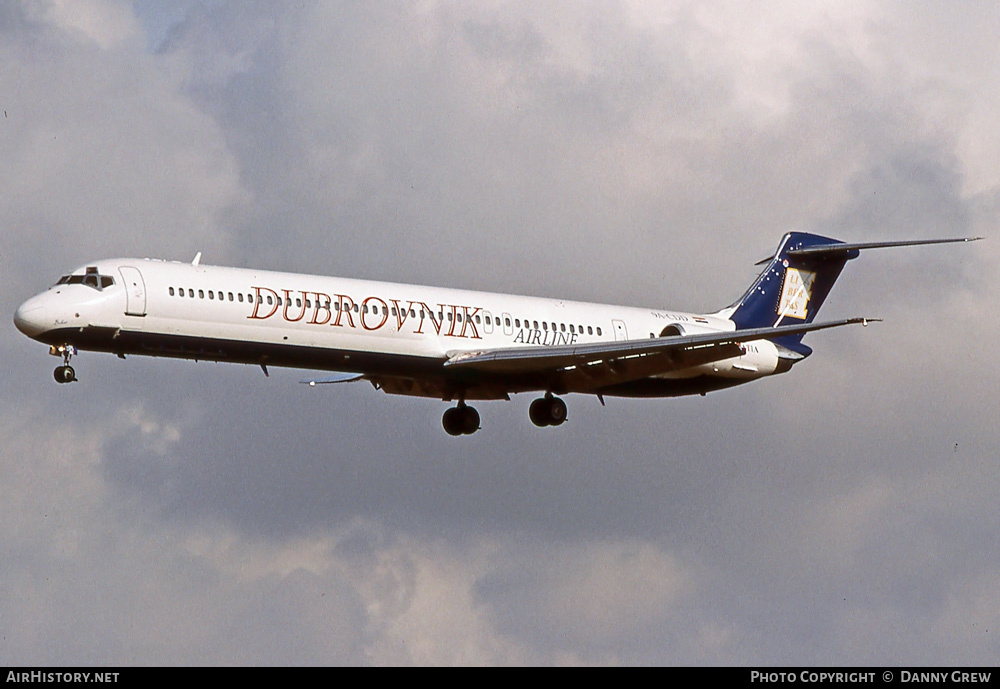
(30, 317)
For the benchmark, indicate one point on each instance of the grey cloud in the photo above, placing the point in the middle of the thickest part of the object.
(839, 514)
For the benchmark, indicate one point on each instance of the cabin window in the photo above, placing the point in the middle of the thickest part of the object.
(201, 294)
(477, 320)
(449, 316)
(270, 301)
(171, 291)
(459, 317)
(231, 297)
(562, 326)
(211, 294)
(590, 330)
(545, 326)
(598, 330)
(355, 308)
(240, 295)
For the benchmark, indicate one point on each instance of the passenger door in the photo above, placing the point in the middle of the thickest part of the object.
(135, 291)
(620, 332)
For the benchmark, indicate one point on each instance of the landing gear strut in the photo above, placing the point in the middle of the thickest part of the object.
(64, 373)
(547, 411)
(460, 420)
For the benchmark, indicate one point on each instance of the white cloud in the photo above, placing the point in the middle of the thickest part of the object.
(105, 154)
(107, 23)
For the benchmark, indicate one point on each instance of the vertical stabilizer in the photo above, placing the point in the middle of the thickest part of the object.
(793, 286)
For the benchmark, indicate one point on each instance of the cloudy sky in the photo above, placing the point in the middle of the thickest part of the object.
(644, 153)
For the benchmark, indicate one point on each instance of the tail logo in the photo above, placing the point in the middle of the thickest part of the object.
(795, 293)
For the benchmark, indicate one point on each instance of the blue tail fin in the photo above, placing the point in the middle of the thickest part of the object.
(798, 279)
(793, 286)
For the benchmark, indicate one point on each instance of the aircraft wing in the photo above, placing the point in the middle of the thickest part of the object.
(628, 359)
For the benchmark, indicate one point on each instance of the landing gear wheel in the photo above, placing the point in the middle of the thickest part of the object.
(452, 421)
(547, 411)
(470, 420)
(557, 412)
(537, 412)
(460, 420)
(65, 374)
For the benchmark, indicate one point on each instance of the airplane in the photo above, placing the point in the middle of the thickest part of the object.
(450, 344)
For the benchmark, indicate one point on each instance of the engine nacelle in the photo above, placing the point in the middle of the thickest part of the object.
(759, 358)
(681, 329)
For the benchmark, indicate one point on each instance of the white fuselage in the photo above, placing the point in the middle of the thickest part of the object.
(398, 335)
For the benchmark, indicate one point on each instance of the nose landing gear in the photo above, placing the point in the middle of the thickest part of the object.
(64, 373)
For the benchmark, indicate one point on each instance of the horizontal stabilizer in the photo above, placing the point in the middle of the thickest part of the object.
(844, 247)
(841, 249)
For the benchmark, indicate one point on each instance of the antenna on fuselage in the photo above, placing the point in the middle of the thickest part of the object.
(197, 259)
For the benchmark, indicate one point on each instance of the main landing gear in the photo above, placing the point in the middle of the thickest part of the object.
(464, 420)
(460, 420)
(547, 411)
(64, 373)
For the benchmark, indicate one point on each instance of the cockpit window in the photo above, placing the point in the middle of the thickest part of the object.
(91, 278)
